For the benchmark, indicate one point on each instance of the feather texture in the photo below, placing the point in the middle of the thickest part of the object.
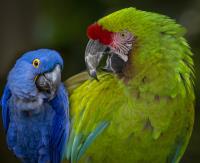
(149, 107)
(36, 121)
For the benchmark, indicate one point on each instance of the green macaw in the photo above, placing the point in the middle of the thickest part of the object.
(139, 108)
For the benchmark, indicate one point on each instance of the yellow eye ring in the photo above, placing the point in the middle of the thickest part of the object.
(36, 63)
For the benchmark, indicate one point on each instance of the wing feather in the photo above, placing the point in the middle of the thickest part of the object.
(90, 110)
(5, 107)
(61, 125)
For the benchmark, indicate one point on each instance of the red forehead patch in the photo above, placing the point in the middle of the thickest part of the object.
(96, 32)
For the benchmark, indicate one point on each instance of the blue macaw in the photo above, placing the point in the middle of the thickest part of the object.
(35, 108)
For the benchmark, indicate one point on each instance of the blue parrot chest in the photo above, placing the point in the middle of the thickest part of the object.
(29, 130)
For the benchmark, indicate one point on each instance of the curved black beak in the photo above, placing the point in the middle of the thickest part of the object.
(93, 55)
(50, 81)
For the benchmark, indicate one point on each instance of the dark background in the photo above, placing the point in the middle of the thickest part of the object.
(61, 25)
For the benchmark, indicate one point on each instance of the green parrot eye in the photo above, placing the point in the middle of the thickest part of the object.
(122, 34)
(36, 63)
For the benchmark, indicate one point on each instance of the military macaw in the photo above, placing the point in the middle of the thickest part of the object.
(139, 107)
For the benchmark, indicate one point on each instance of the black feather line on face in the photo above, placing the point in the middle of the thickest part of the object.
(114, 64)
(122, 44)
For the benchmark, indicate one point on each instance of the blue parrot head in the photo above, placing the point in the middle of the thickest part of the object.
(36, 73)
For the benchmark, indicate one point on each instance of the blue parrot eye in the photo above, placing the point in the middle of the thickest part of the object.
(36, 63)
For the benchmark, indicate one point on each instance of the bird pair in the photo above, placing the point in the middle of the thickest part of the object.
(138, 109)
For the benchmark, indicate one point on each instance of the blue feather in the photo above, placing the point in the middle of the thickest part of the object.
(61, 125)
(78, 144)
(99, 129)
(75, 148)
(176, 151)
(5, 108)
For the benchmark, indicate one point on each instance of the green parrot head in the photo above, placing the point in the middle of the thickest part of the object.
(130, 39)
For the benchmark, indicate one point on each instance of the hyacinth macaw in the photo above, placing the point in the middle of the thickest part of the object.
(35, 108)
(140, 107)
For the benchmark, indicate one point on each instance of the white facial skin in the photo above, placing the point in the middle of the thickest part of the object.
(122, 43)
(117, 50)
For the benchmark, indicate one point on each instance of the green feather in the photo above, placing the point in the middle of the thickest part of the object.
(69, 144)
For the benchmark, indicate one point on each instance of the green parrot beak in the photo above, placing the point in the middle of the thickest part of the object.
(50, 81)
(93, 55)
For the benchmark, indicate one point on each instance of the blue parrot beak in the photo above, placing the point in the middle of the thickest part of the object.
(93, 55)
(49, 82)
